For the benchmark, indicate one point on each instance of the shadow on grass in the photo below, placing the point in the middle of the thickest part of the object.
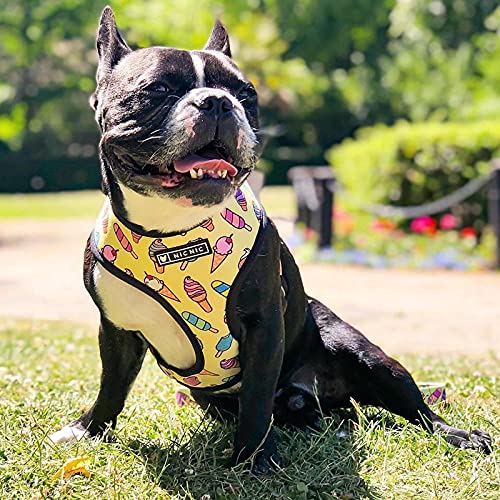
(322, 465)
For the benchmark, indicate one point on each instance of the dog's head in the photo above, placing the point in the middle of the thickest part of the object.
(175, 124)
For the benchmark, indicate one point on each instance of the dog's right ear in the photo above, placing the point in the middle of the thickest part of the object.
(111, 47)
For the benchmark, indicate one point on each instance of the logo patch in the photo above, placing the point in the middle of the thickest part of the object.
(190, 251)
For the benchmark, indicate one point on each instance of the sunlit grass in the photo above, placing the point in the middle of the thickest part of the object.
(49, 373)
(278, 200)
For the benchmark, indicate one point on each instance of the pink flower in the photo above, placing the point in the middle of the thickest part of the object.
(448, 221)
(423, 225)
(468, 232)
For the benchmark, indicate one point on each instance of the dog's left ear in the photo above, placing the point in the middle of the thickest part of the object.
(219, 39)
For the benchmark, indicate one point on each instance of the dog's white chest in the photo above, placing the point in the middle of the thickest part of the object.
(131, 309)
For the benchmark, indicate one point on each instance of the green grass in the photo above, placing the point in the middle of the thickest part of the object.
(278, 200)
(66, 204)
(49, 373)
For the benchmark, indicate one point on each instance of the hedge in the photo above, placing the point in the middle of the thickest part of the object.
(411, 164)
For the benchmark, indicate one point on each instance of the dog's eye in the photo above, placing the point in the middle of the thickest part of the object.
(157, 87)
(247, 93)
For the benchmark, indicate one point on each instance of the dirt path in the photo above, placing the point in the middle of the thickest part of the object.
(402, 311)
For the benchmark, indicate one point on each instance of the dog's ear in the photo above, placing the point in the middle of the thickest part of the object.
(111, 47)
(219, 39)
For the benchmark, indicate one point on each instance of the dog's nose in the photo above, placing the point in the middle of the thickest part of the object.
(213, 105)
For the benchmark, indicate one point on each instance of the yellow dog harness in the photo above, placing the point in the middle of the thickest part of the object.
(191, 275)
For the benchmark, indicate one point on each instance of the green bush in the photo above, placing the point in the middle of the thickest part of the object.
(411, 164)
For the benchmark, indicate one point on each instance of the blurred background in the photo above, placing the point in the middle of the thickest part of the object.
(399, 98)
(323, 70)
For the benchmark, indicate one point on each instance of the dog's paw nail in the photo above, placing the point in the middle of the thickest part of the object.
(481, 440)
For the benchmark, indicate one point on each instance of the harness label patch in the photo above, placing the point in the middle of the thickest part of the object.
(190, 251)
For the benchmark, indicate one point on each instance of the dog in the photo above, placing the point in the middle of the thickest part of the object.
(183, 261)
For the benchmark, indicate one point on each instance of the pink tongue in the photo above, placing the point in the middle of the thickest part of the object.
(194, 161)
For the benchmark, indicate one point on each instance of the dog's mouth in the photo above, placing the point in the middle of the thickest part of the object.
(212, 162)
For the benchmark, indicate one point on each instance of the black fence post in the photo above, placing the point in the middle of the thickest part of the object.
(325, 182)
(314, 193)
(494, 207)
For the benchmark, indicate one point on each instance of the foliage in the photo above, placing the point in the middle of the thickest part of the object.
(50, 371)
(323, 69)
(410, 164)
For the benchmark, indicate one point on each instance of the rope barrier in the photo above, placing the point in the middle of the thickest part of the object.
(433, 207)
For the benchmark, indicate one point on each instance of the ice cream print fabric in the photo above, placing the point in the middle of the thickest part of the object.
(192, 274)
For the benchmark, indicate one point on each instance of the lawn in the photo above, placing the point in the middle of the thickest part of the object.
(49, 374)
(278, 200)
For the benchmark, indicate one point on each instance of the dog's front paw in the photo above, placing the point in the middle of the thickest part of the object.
(69, 434)
(265, 464)
(76, 431)
(264, 461)
(480, 440)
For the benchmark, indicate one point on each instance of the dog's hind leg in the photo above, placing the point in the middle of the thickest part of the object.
(122, 353)
(371, 377)
(389, 385)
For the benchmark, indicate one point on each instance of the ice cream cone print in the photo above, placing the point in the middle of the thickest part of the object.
(235, 220)
(136, 236)
(206, 372)
(208, 224)
(192, 381)
(197, 322)
(242, 201)
(160, 287)
(243, 257)
(129, 272)
(156, 246)
(197, 293)
(227, 364)
(109, 253)
(223, 345)
(166, 292)
(223, 247)
(217, 260)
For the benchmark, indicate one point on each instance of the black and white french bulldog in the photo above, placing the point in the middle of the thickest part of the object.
(178, 138)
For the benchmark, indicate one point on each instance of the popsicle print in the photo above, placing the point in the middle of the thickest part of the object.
(197, 322)
(257, 211)
(105, 220)
(123, 240)
(223, 345)
(243, 258)
(221, 287)
(235, 220)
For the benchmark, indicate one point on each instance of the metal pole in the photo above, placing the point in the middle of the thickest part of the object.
(494, 207)
(325, 215)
